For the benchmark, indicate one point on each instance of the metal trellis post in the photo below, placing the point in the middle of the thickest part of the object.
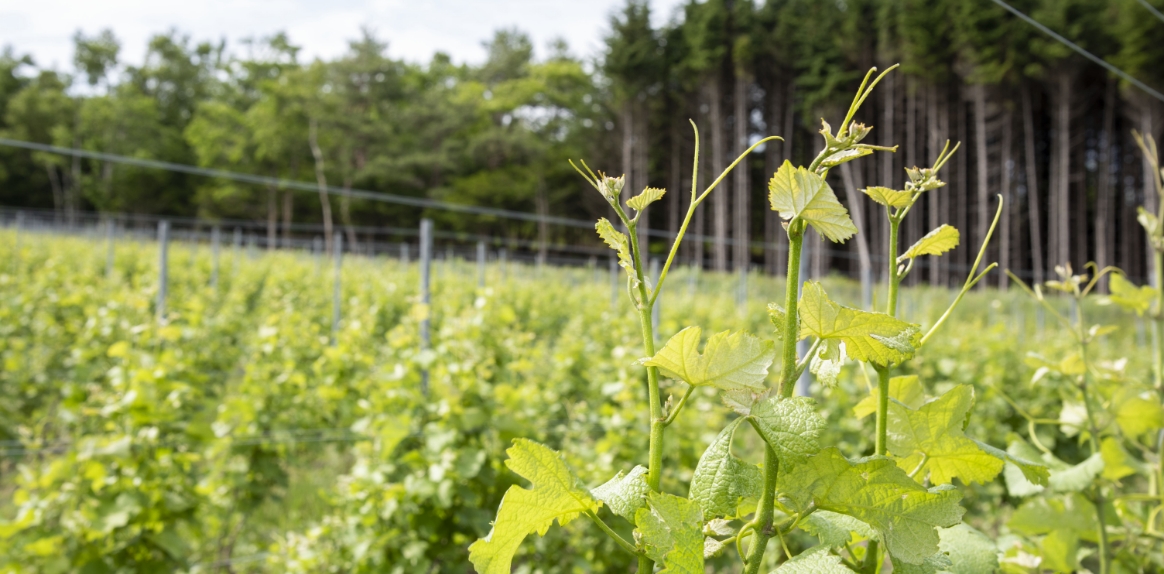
(425, 296)
(163, 267)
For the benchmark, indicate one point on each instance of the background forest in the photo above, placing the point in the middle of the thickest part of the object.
(1039, 124)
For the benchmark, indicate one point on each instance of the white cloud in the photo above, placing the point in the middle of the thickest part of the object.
(414, 29)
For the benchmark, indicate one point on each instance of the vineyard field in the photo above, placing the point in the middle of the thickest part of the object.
(240, 434)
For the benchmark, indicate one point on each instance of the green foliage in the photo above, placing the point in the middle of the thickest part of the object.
(936, 242)
(555, 495)
(800, 195)
(721, 480)
(730, 361)
(868, 336)
(672, 533)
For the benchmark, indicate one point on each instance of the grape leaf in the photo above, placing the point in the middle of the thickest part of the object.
(872, 337)
(1078, 477)
(932, 564)
(617, 241)
(671, 533)
(931, 437)
(556, 494)
(790, 426)
(1018, 483)
(875, 491)
(936, 242)
(970, 551)
(815, 560)
(834, 530)
(624, 494)
(721, 480)
(1138, 411)
(905, 389)
(797, 193)
(1117, 463)
(888, 197)
(1125, 294)
(730, 361)
(1033, 472)
(1063, 520)
(648, 196)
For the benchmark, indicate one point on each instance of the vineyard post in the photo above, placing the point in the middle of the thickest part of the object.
(316, 248)
(655, 307)
(19, 225)
(236, 244)
(502, 256)
(251, 242)
(109, 249)
(742, 289)
(404, 252)
(613, 283)
(215, 248)
(335, 298)
(163, 270)
(481, 264)
(802, 346)
(425, 296)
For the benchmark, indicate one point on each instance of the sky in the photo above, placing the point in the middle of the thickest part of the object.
(414, 29)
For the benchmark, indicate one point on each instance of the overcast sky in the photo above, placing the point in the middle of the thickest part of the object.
(414, 29)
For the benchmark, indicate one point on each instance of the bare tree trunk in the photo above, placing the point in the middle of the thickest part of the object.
(701, 214)
(719, 199)
(321, 180)
(288, 208)
(1103, 189)
(58, 189)
(772, 226)
(272, 216)
(642, 176)
(346, 214)
(935, 199)
(740, 176)
(1032, 182)
(1063, 167)
(854, 198)
(675, 180)
(1007, 234)
(983, 167)
(1148, 128)
(912, 224)
(889, 123)
(962, 191)
(542, 204)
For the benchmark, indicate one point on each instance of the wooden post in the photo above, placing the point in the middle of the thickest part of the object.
(481, 264)
(425, 295)
(613, 282)
(338, 255)
(655, 309)
(109, 254)
(215, 248)
(163, 268)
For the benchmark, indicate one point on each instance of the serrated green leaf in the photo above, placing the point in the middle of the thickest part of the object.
(933, 564)
(875, 491)
(556, 495)
(905, 389)
(936, 242)
(1117, 463)
(931, 437)
(1125, 294)
(1032, 471)
(815, 560)
(1078, 477)
(617, 241)
(826, 364)
(797, 193)
(872, 337)
(790, 426)
(850, 154)
(671, 533)
(1042, 515)
(730, 361)
(1018, 483)
(624, 494)
(835, 530)
(938, 563)
(648, 196)
(970, 551)
(778, 316)
(721, 480)
(888, 197)
(1138, 411)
